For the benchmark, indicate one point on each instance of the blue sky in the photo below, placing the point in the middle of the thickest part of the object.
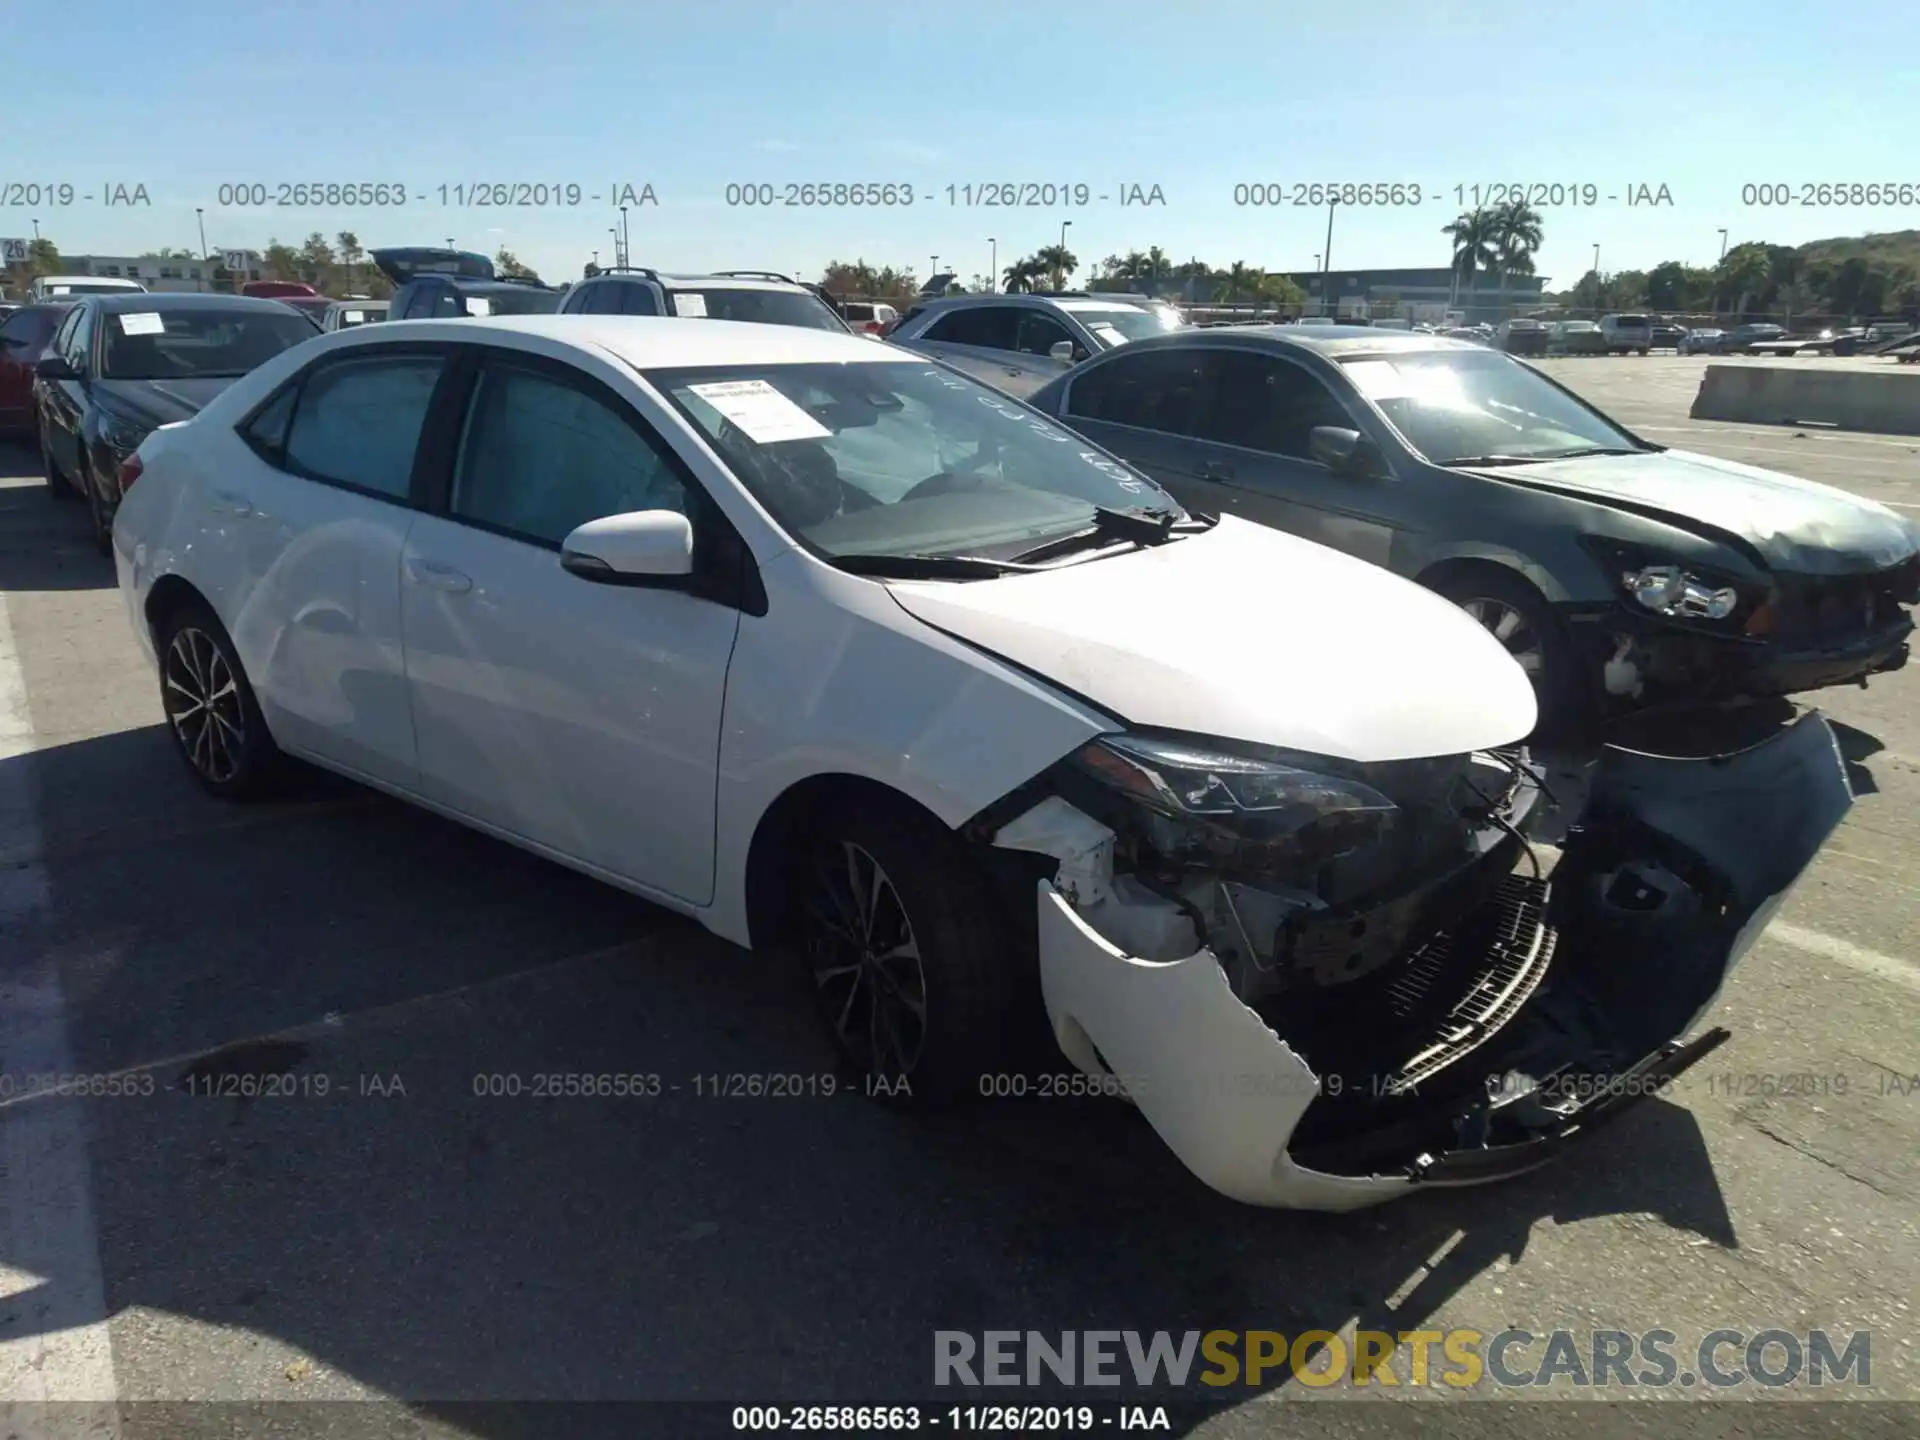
(1700, 97)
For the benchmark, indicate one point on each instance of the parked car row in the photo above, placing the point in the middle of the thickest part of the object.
(947, 698)
(1192, 705)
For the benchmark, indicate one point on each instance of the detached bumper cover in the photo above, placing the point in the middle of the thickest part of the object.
(1728, 836)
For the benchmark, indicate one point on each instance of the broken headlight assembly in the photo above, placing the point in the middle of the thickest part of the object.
(1205, 806)
(1676, 590)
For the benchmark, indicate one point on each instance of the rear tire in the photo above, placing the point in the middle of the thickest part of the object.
(911, 964)
(216, 724)
(1519, 617)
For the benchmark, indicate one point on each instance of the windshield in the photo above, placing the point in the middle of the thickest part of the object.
(1451, 405)
(190, 344)
(892, 458)
(1121, 323)
(761, 307)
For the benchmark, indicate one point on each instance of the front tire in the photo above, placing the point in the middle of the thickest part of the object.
(215, 720)
(1519, 617)
(910, 962)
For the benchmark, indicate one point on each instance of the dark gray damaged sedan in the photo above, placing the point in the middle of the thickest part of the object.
(1623, 576)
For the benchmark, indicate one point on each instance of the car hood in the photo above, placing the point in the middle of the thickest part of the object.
(1795, 525)
(1249, 634)
(159, 402)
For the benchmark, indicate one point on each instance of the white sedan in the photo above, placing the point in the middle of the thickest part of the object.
(854, 659)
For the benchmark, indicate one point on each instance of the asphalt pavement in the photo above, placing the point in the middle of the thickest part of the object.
(383, 1230)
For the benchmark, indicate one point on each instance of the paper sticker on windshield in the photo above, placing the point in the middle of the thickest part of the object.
(1108, 333)
(762, 412)
(479, 305)
(144, 322)
(691, 306)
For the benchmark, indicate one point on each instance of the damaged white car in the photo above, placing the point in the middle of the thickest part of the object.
(849, 656)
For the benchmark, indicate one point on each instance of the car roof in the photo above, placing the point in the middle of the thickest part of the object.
(655, 342)
(1333, 341)
(673, 281)
(116, 304)
(476, 285)
(114, 280)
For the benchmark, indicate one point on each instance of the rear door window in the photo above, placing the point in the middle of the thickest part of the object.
(1164, 390)
(991, 327)
(357, 422)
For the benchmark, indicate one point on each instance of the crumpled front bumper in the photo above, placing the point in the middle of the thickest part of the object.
(1673, 869)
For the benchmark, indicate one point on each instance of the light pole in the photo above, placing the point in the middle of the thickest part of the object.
(1063, 249)
(614, 231)
(200, 216)
(993, 264)
(36, 232)
(1723, 244)
(596, 259)
(933, 267)
(449, 242)
(626, 239)
(1329, 249)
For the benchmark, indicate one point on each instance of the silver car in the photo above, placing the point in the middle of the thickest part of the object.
(345, 314)
(1017, 343)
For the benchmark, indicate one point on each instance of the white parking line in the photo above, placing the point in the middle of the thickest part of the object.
(54, 1347)
(1855, 957)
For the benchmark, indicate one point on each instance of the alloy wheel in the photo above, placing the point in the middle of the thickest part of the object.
(1513, 630)
(865, 960)
(204, 705)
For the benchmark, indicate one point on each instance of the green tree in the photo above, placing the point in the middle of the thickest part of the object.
(1021, 275)
(1472, 233)
(1742, 277)
(347, 245)
(316, 261)
(1515, 233)
(508, 264)
(1667, 286)
(280, 262)
(590, 271)
(1058, 263)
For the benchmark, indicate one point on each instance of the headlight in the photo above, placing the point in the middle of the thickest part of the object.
(1669, 590)
(1209, 802)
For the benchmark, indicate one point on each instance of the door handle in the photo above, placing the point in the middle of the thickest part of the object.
(1216, 470)
(228, 503)
(438, 577)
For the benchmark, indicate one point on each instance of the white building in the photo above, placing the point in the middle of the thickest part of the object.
(187, 274)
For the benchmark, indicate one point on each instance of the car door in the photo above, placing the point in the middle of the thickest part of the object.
(62, 402)
(23, 336)
(580, 716)
(1254, 441)
(316, 505)
(1146, 406)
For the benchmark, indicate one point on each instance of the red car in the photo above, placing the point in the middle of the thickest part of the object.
(23, 340)
(278, 289)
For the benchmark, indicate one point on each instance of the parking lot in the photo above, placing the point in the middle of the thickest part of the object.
(401, 1237)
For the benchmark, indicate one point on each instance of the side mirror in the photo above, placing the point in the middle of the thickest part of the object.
(54, 367)
(1062, 350)
(639, 548)
(1346, 452)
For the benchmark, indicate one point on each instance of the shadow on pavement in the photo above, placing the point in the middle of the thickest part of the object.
(388, 1194)
(45, 542)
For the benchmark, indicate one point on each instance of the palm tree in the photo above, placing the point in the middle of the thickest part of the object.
(1472, 234)
(1239, 279)
(1022, 273)
(1516, 235)
(1057, 263)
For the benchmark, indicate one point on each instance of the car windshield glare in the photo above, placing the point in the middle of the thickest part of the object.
(901, 458)
(1131, 322)
(1453, 404)
(180, 344)
(760, 307)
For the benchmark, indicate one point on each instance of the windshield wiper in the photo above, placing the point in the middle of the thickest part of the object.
(1110, 527)
(1495, 460)
(1586, 450)
(928, 567)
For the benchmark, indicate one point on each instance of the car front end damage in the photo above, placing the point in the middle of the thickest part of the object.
(1328, 984)
(1713, 642)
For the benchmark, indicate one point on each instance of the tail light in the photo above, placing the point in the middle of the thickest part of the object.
(130, 469)
(872, 327)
